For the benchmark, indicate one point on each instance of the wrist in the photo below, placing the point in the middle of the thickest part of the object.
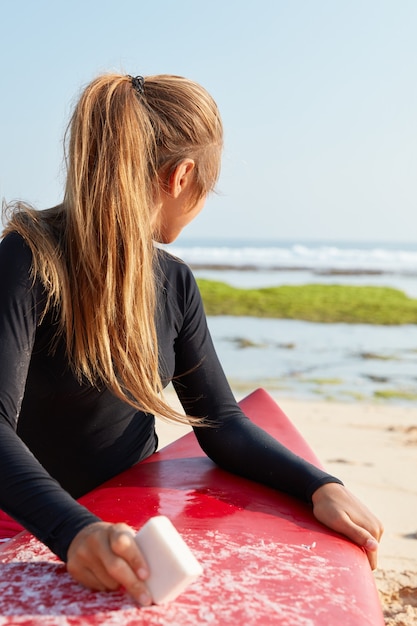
(327, 491)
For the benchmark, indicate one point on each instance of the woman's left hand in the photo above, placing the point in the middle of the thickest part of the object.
(340, 510)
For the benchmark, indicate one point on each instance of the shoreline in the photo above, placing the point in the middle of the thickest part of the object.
(309, 360)
(372, 448)
(314, 271)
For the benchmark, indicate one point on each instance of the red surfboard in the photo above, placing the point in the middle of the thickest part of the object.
(265, 558)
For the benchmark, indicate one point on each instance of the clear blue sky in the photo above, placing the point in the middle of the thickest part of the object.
(318, 98)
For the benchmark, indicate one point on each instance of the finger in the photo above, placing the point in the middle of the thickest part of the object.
(336, 506)
(344, 524)
(91, 581)
(88, 568)
(120, 571)
(110, 572)
(364, 519)
(123, 544)
(359, 535)
(126, 565)
(93, 563)
(371, 549)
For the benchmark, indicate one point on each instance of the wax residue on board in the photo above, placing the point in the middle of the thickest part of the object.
(250, 581)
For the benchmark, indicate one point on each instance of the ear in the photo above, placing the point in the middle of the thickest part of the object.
(181, 178)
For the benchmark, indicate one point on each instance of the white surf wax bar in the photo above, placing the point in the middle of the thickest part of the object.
(171, 564)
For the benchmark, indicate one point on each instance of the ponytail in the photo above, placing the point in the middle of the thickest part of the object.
(98, 265)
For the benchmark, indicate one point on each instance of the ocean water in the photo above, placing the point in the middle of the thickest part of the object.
(303, 359)
(388, 256)
(265, 263)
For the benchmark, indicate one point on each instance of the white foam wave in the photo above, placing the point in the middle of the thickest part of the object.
(297, 255)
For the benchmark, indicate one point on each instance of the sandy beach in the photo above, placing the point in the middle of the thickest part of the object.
(372, 448)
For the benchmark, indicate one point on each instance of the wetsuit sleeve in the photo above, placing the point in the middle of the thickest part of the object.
(27, 492)
(235, 443)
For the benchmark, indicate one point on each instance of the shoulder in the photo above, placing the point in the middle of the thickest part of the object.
(176, 280)
(174, 269)
(20, 289)
(14, 241)
(15, 256)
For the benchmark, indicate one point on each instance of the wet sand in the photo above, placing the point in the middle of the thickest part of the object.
(373, 449)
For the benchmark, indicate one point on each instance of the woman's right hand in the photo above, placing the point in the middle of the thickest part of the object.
(105, 556)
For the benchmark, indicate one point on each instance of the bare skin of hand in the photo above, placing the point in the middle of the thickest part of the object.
(340, 510)
(105, 557)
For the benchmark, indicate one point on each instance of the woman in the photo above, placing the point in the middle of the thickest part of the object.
(95, 321)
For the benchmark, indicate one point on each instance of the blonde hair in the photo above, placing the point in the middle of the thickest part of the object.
(95, 253)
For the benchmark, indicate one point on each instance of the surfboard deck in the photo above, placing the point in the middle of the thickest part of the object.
(265, 558)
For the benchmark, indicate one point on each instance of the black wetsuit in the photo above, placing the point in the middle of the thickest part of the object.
(59, 438)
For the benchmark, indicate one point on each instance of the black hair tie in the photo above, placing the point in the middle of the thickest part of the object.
(138, 84)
